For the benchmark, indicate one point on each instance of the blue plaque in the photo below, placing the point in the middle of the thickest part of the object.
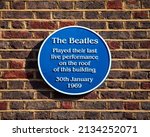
(74, 60)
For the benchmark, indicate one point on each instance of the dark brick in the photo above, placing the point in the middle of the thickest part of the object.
(65, 5)
(31, 64)
(145, 85)
(17, 15)
(92, 24)
(128, 116)
(92, 115)
(92, 15)
(41, 5)
(3, 64)
(17, 25)
(66, 105)
(131, 85)
(140, 15)
(18, 5)
(129, 64)
(67, 115)
(4, 24)
(3, 105)
(44, 95)
(140, 75)
(16, 34)
(91, 105)
(140, 95)
(40, 34)
(139, 34)
(115, 25)
(66, 23)
(17, 116)
(145, 105)
(115, 95)
(89, 5)
(145, 25)
(3, 84)
(114, 84)
(67, 15)
(140, 54)
(15, 85)
(114, 4)
(131, 105)
(41, 25)
(16, 105)
(4, 44)
(132, 25)
(92, 95)
(145, 44)
(41, 105)
(143, 116)
(16, 64)
(132, 4)
(145, 3)
(42, 15)
(116, 14)
(2, 5)
(17, 95)
(114, 44)
(145, 64)
(115, 105)
(119, 74)
(130, 45)
(17, 74)
(111, 115)
(120, 54)
(42, 115)
(116, 64)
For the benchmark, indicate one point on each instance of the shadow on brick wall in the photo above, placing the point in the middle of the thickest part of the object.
(37, 83)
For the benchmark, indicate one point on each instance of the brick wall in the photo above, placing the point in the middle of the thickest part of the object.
(124, 24)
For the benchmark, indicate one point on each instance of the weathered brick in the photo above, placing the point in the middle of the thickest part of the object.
(17, 95)
(114, 4)
(36, 85)
(115, 95)
(140, 75)
(42, 115)
(145, 105)
(130, 45)
(3, 64)
(44, 95)
(16, 64)
(143, 116)
(131, 105)
(115, 25)
(18, 25)
(92, 24)
(66, 23)
(114, 44)
(17, 14)
(3, 85)
(114, 84)
(66, 105)
(17, 105)
(120, 54)
(65, 5)
(67, 115)
(67, 15)
(91, 105)
(92, 15)
(145, 85)
(144, 25)
(111, 115)
(132, 4)
(89, 5)
(41, 5)
(140, 15)
(41, 25)
(40, 34)
(4, 24)
(145, 64)
(15, 85)
(145, 44)
(145, 3)
(3, 105)
(92, 115)
(140, 54)
(41, 105)
(131, 25)
(140, 95)
(17, 74)
(116, 64)
(128, 116)
(129, 64)
(119, 74)
(42, 15)
(115, 105)
(131, 85)
(16, 34)
(139, 34)
(18, 5)
(92, 95)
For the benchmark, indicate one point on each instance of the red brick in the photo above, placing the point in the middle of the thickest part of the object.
(145, 85)
(114, 4)
(92, 95)
(66, 23)
(114, 45)
(16, 34)
(18, 5)
(3, 105)
(41, 25)
(40, 34)
(17, 24)
(131, 105)
(16, 64)
(140, 15)
(16, 74)
(67, 105)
